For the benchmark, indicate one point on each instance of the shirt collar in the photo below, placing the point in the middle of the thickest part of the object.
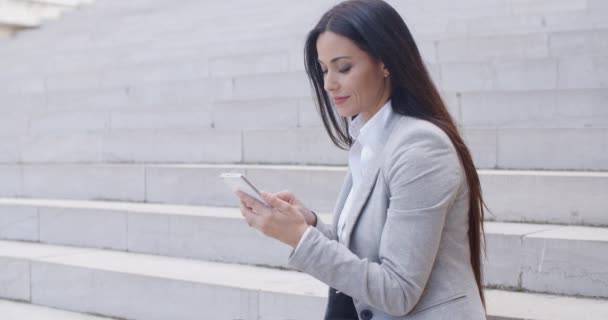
(368, 133)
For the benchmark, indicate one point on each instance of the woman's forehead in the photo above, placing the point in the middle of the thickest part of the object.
(332, 47)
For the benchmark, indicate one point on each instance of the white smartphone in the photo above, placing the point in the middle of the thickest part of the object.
(238, 182)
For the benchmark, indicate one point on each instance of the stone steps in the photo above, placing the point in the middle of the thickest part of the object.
(532, 257)
(575, 108)
(558, 197)
(429, 21)
(11, 310)
(226, 58)
(88, 138)
(104, 282)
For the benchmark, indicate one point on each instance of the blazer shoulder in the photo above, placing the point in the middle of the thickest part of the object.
(410, 132)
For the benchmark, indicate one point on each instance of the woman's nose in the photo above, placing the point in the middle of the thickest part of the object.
(330, 82)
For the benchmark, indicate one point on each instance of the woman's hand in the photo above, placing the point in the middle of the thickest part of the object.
(290, 198)
(280, 220)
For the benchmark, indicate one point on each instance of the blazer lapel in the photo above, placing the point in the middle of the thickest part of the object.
(368, 182)
(360, 197)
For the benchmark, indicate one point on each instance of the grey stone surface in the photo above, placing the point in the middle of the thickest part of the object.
(545, 197)
(483, 145)
(14, 278)
(544, 148)
(533, 46)
(62, 148)
(588, 42)
(538, 109)
(83, 228)
(293, 146)
(583, 72)
(125, 183)
(161, 118)
(12, 310)
(248, 64)
(189, 184)
(284, 85)
(537, 257)
(12, 180)
(173, 146)
(526, 196)
(261, 114)
(104, 281)
(19, 223)
(570, 260)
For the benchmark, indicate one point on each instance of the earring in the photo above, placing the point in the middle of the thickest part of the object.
(385, 74)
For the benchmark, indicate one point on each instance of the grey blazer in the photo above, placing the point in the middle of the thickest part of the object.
(406, 251)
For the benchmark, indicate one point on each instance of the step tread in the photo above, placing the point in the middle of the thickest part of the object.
(528, 230)
(11, 310)
(514, 305)
(196, 271)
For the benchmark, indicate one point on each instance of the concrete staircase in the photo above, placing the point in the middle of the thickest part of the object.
(112, 139)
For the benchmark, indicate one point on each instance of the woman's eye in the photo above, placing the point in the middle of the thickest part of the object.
(345, 70)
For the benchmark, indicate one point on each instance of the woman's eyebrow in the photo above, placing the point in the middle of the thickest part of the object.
(338, 58)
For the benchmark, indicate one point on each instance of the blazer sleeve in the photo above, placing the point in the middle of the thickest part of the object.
(423, 174)
(325, 228)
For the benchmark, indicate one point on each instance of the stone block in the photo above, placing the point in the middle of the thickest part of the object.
(293, 146)
(260, 114)
(68, 122)
(228, 66)
(533, 46)
(280, 85)
(161, 118)
(573, 43)
(88, 99)
(12, 181)
(466, 77)
(568, 260)
(546, 197)
(76, 147)
(583, 72)
(308, 113)
(544, 149)
(15, 279)
(526, 75)
(535, 109)
(19, 223)
(189, 184)
(86, 182)
(483, 144)
(184, 146)
(84, 228)
(188, 93)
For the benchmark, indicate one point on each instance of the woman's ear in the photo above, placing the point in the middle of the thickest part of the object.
(384, 71)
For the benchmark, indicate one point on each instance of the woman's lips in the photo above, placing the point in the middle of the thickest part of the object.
(340, 100)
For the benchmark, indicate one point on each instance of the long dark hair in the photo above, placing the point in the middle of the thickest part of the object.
(378, 29)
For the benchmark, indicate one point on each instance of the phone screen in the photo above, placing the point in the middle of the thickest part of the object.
(238, 182)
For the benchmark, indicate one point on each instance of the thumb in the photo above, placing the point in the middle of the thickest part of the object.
(286, 196)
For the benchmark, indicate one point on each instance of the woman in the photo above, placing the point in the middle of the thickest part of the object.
(407, 233)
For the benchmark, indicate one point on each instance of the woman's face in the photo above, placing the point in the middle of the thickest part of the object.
(354, 81)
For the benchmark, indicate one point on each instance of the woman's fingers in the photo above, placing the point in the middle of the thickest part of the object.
(276, 202)
(253, 203)
(286, 196)
(248, 214)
